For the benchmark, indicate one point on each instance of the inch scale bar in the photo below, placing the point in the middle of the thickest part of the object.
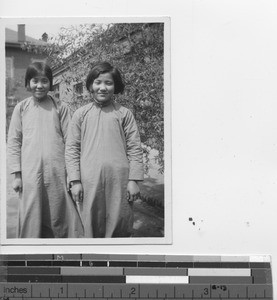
(141, 291)
(143, 277)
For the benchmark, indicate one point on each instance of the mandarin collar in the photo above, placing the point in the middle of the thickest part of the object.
(102, 104)
(40, 100)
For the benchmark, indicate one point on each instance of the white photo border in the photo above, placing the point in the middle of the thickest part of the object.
(167, 239)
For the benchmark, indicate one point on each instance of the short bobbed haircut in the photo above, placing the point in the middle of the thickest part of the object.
(38, 69)
(105, 67)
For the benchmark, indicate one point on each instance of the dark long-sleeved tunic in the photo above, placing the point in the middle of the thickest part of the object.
(103, 151)
(36, 144)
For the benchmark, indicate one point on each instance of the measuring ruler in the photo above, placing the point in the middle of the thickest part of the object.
(104, 277)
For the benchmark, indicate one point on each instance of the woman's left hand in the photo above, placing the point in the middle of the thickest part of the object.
(133, 191)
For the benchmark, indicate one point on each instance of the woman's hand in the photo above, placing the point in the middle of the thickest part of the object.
(17, 182)
(133, 191)
(67, 184)
(77, 191)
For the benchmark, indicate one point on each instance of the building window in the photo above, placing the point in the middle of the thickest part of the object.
(56, 90)
(78, 89)
(9, 67)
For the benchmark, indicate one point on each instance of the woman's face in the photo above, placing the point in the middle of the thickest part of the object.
(102, 88)
(39, 87)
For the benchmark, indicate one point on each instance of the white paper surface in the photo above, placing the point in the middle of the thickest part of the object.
(224, 125)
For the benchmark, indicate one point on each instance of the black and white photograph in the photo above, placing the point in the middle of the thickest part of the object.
(87, 131)
(140, 131)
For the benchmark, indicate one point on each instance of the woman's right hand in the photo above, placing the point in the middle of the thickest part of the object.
(17, 182)
(77, 191)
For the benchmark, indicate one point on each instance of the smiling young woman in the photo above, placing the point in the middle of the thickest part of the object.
(104, 157)
(36, 144)
(102, 88)
(39, 86)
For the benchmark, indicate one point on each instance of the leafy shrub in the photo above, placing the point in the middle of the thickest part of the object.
(137, 49)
